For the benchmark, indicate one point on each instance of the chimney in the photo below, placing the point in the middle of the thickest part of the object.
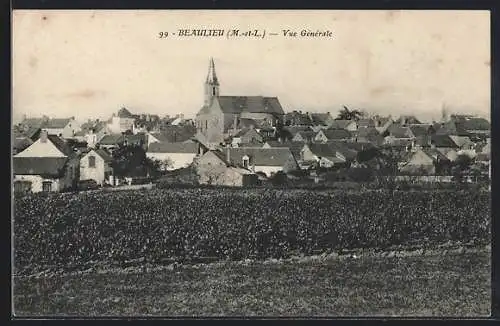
(228, 155)
(43, 136)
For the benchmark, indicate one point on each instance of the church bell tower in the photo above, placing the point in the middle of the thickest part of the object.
(211, 84)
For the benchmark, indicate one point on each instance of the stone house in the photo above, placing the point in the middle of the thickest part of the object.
(96, 165)
(212, 168)
(262, 160)
(173, 155)
(48, 165)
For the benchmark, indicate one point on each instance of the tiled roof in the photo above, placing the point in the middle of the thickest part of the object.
(253, 104)
(295, 129)
(367, 132)
(61, 144)
(56, 123)
(470, 124)
(443, 141)
(21, 143)
(435, 154)
(420, 130)
(173, 148)
(337, 134)
(367, 123)
(398, 131)
(112, 139)
(261, 156)
(340, 124)
(33, 122)
(105, 155)
(330, 149)
(46, 166)
(294, 146)
(173, 134)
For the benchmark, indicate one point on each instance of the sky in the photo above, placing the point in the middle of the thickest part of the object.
(90, 63)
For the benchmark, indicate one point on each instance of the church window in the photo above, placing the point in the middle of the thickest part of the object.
(206, 124)
(213, 91)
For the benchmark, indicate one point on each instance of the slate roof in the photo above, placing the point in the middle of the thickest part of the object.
(261, 156)
(443, 141)
(191, 148)
(45, 166)
(252, 104)
(337, 134)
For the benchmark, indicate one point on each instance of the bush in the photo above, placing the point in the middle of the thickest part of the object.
(78, 229)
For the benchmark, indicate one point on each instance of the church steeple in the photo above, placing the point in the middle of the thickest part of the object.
(211, 84)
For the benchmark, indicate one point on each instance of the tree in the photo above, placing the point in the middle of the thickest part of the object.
(346, 114)
(461, 168)
(131, 161)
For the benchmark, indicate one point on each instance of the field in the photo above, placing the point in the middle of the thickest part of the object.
(138, 252)
(454, 284)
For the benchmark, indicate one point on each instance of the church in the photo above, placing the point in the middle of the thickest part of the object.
(223, 116)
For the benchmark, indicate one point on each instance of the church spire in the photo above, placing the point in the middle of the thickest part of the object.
(211, 84)
(212, 76)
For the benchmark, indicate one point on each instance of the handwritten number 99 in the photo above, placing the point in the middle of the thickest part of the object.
(162, 34)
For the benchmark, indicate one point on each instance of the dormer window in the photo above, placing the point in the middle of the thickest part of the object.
(246, 161)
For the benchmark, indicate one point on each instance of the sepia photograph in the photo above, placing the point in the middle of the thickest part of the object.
(251, 163)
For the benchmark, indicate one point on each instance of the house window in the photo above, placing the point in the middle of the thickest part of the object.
(91, 161)
(47, 186)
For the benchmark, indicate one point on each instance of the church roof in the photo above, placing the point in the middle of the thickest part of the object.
(250, 104)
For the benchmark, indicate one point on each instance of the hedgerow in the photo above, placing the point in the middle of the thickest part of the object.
(77, 229)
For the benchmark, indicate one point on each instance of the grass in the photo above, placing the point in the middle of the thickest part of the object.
(451, 284)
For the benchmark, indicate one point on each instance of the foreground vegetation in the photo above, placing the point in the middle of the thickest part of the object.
(79, 230)
(438, 284)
